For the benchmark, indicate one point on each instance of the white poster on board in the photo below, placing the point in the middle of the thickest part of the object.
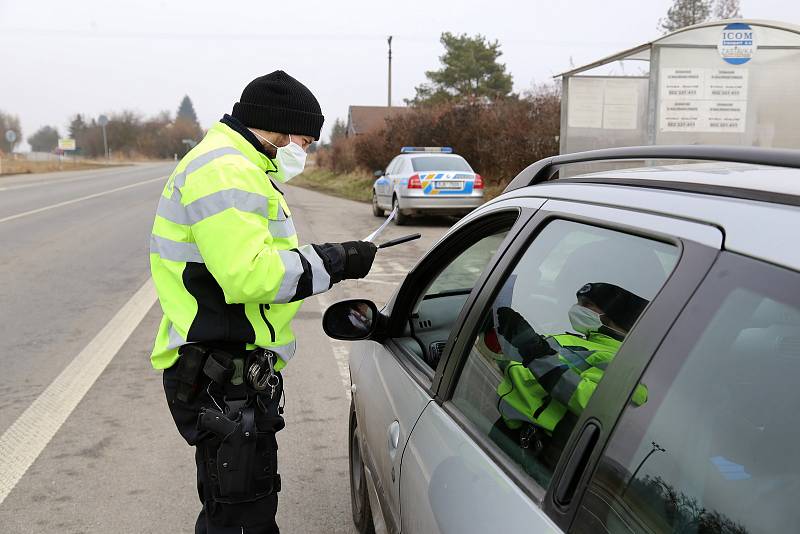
(585, 103)
(718, 102)
(682, 84)
(621, 104)
(726, 84)
(681, 115)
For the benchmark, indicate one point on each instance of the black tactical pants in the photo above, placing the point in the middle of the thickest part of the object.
(248, 516)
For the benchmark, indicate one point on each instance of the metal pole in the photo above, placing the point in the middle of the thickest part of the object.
(389, 40)
(105, 143)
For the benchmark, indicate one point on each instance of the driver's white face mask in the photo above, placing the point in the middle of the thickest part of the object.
(290, 159)
(584, 320)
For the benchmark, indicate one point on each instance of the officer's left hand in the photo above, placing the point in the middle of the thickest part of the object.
(359, 256)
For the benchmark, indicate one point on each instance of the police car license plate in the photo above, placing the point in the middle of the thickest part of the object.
(448, 185)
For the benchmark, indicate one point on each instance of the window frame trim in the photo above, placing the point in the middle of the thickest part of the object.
(400, 301)
(694, 261)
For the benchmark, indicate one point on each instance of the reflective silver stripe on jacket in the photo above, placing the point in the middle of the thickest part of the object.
(196, 163)
(575, 358)
(293, 269)
(566, 386)
(209, 205)
(509, 412)
(541, 366)
(281, 228)
(284, 351)
(174, 250)
(321, 279)
(175, 339)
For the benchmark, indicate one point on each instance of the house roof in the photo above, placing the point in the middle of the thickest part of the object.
(363, 119)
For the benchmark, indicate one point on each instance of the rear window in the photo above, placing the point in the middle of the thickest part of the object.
(440, 163)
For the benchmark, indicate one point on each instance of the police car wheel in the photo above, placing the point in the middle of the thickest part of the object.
(362, 514)
(401, 218)
(377, 211)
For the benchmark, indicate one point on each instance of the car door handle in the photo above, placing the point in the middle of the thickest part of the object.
(576, 463)
(394, 436)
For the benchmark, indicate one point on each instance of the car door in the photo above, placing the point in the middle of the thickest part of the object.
(392, 379)
(383, 186)
(714, 449)
(490, 453)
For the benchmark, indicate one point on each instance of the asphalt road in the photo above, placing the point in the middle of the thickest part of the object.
(74, 254)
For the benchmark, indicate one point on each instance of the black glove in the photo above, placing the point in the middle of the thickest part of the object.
(348, 260)
(359, 256)
(521, 335)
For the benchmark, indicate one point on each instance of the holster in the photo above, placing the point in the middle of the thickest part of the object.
(245, 464)
(189, 371)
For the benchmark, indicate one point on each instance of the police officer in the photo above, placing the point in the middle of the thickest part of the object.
(230, 276)
(548, 380)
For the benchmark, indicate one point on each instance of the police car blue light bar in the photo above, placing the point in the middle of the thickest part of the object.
(437, 149)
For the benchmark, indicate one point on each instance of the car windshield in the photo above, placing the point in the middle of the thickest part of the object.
(440, 163)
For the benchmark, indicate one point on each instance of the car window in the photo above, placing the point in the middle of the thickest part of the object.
(714, 449)
(404, 167)
(439, 304)
(439, 163)
(391, 169)
(544, 343)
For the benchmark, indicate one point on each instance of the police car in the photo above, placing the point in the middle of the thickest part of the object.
(430, 180)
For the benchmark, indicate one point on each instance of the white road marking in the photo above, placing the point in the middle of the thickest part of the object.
(27, 437)
(100, 173)
(341, 350)
(80, 199)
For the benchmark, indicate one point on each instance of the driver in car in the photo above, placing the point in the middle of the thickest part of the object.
(548, 380)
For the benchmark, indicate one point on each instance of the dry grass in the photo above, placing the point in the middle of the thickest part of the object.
(352, 185)
(9, 166)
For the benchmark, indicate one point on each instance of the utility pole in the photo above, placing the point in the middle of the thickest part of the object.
(102, 120)
(389, 40)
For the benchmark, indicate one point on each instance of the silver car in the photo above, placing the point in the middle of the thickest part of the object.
(609, 352)
(429, 180)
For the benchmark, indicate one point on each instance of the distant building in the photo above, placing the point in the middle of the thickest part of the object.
(365, 119)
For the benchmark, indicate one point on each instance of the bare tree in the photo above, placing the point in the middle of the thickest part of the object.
(9, 122)
(727, 9)
(685, 13)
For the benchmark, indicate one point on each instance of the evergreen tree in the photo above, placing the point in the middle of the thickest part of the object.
(77, 126)
(470, 72)
(685, 13)
(186, 111)
(44, 140)
(727, 9)
(339, 129)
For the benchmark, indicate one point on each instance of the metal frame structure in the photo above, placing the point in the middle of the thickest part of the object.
(648, 114)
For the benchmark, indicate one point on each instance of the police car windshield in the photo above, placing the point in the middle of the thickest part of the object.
(439, 163)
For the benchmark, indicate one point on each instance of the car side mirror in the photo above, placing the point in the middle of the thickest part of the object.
(377, 174)
(351, 320)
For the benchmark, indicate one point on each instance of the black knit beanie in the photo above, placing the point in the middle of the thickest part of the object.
(276, 102)
(619, 304)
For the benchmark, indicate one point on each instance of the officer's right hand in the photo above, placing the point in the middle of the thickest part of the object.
(358, 258)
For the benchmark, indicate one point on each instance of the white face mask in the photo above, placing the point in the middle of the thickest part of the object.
(290, 159)
(584, 320)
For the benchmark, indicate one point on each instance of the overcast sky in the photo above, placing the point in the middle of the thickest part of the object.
(58, 58)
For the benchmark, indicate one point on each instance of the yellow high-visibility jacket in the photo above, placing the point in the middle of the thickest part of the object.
(224, 253)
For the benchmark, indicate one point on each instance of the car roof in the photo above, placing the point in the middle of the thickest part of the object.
(779, 181)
